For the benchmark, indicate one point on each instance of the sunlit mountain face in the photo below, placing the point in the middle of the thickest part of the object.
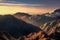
(48, 23)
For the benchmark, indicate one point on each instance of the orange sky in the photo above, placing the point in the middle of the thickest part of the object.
(14, 9)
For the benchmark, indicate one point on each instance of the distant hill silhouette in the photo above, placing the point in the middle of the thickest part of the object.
(22, 14)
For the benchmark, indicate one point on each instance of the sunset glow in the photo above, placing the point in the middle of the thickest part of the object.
(28, 6)
(14, 9)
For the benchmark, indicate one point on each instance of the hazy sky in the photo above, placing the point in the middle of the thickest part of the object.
(28, 6)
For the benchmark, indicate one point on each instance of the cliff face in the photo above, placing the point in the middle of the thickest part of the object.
(49, 23)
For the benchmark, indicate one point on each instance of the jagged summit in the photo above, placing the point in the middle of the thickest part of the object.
(57, 10)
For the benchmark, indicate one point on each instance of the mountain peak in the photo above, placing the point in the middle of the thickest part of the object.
(57, 10)
(22, 14)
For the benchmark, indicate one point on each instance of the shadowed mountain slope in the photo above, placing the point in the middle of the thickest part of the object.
(15, 27)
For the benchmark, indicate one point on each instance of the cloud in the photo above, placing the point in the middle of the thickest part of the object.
(32, 3)
(22, 5)
(1, 0)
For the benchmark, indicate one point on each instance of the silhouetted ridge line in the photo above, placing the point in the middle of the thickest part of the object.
(22, 14)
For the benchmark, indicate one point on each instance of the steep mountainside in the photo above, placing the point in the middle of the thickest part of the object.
(12, 26)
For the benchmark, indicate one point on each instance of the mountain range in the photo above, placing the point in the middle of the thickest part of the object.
(21, 24)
